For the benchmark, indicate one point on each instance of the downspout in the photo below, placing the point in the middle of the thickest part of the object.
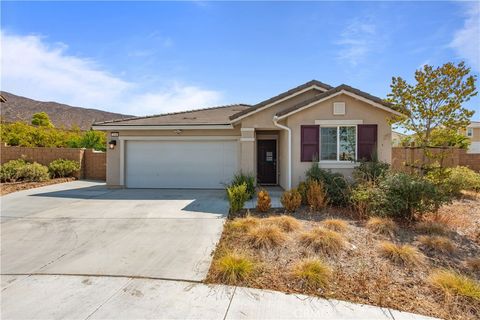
(289, 133)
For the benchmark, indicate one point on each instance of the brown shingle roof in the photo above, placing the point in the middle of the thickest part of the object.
(333, 91)
(208, 116)
(281, 96)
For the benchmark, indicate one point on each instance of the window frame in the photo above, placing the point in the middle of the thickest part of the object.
(338, 143)
(469, 132)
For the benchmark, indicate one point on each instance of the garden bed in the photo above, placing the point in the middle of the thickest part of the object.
(359, 271)
(10, 187)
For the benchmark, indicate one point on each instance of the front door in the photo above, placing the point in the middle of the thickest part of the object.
(267, 161)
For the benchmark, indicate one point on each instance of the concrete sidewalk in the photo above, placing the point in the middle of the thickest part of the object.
(86, 297)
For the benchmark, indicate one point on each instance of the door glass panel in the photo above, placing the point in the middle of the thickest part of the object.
(347, 143)
(269, 157)
(328, 142)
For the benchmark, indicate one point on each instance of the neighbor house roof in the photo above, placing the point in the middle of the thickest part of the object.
(312, 83)
(343, 88)
(208, 116)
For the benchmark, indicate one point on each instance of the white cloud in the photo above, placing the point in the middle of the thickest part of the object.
(357, 40)
(466, 41)
(34, 69)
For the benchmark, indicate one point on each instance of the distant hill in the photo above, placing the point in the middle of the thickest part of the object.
(18, 108)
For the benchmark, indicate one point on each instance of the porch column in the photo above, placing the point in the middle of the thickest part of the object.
(247, 150)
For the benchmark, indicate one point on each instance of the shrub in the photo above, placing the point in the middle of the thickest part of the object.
(9, 170)
(401, 254)
(245, 178)
(266, 236)
(323, 240)
(364, 198)
(263, 201)
(34, 172)
(63, 168)
(316, 197)
(437, 243)
(370, 171)
(383, 226)
(234, 267)
(431, 227)
(302, 189)
(291, 200)
(237, 196)
(313, 272)
(336, 186)
(284, 222)
(406, 196)
(454, 283)
(244, 224)
(453, 180)
(335, 225)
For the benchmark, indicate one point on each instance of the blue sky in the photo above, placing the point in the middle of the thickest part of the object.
(153, 57)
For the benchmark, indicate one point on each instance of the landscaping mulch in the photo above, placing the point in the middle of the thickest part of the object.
(9, 187)
(360, 273)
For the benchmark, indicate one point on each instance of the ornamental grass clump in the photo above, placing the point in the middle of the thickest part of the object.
(335, 225)
(284, 222)
(266, 236)
(291, 200)
(264, 202)
(237, 196)
(314, 273)
(234, 267)
(437, 244)
(401, 254)
(452, 282)
(243, 224)
(384, 226)
(431, 227)
(323, 240)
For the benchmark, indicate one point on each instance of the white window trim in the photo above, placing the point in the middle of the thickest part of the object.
(470, 132)
(338, 161)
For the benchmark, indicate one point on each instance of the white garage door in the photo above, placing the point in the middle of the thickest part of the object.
(180, 164)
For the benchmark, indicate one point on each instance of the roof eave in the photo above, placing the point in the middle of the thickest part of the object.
(163, 127)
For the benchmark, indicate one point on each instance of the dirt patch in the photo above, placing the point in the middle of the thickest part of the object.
(360, 273)
(9, 187)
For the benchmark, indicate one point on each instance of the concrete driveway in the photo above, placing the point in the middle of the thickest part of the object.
(83, 228)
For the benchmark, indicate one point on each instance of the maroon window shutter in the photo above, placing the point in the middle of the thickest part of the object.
(310, 137)
(367, 141)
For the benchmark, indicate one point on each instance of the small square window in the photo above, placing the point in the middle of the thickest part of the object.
(469, 132)
(339, 108)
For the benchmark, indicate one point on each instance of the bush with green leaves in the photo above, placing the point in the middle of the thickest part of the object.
(336, 186)
(245, 178)
(237, 196)
(61, 168)
(406, 196)
(9, 170)
(453, 180)
(364, 198)
(370, 171)
(34, 172)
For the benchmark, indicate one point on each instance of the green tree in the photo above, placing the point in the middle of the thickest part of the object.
(42, 119)
(434, 102)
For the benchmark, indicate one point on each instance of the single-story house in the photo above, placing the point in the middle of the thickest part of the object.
(276, 140)
(473, 133)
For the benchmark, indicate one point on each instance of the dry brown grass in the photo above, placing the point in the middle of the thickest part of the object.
(284, 222)
(384, 226)
(431, 227)
(335, 225)
(313, 273)
(266, 236)
(473, 264)
(401, 254)
(323, 240)
(437, 243)
(233, 267)
(316, 195)
(243, 224)
(453, 218)
(453, 283)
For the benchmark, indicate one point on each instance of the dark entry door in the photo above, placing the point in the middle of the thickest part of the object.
(267, 161)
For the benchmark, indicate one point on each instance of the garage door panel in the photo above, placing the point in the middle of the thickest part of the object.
(180, 164)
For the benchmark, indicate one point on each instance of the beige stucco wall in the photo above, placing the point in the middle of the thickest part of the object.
(355, 110)
(113, 156)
